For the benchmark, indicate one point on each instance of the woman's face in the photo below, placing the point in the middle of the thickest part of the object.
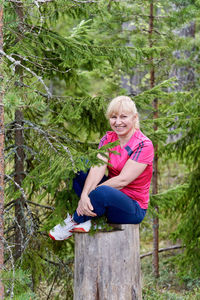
(123, 123)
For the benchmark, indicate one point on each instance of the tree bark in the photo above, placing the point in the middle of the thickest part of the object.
(20, 155)
(155, 257)
(1, 161)
(107, 265)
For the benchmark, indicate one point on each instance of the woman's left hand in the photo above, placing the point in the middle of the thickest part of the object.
(85, 207)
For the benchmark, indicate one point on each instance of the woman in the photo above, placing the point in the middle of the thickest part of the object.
(123, 196)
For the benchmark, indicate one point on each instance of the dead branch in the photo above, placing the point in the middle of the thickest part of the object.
(40, 205)
(83, 2)
(162, 250)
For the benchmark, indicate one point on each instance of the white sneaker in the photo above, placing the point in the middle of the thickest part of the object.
(62, 231)
(82, 227)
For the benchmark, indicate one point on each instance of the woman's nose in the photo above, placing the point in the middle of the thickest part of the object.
(118, 120)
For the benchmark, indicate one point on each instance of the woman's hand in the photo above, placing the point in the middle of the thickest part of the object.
(85, 207)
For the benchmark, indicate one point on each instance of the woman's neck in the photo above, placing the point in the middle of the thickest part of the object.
(124, 139)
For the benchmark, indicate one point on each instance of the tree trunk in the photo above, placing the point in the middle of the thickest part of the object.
(1, 162)
(19, 176)
(107, 265)
(20, 155)
(155, 260)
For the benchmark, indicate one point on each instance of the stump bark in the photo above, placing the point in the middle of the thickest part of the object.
(107, 265)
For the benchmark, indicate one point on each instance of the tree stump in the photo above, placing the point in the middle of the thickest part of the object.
(107, 265)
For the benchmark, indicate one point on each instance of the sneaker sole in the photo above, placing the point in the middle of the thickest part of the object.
(53, 238)
(81, 230)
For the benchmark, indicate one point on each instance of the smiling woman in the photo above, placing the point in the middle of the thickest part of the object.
(122, 196)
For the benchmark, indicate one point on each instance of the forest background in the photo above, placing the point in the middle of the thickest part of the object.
(61, 62)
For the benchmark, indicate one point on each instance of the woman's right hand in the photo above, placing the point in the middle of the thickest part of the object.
(85, 207)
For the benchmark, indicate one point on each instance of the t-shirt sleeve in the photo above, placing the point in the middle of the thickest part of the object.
(144, 153)
(103, 141)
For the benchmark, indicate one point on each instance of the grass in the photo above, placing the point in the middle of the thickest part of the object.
(171, 284)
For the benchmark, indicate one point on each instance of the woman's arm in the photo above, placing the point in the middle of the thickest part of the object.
(94, 177)
(130, 172)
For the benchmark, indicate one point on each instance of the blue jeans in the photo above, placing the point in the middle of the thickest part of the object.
(108, 201)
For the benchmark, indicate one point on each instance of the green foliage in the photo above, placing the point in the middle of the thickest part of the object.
(187, 149)
(19, 282)
(72, 59)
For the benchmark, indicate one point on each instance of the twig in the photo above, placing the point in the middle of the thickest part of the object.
(35, 91)
(9, 203)
(51, 262)
(10, 228)
(43, 1)
(58, 264)
(162, 250)
(88, 1)
(53, 284)
(40, 205)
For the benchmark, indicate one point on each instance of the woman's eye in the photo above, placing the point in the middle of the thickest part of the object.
(124, 116)
(113, 117)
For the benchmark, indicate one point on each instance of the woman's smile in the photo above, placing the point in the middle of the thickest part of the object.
(120, 128)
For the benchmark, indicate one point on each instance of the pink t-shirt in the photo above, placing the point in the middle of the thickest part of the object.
(140, 149)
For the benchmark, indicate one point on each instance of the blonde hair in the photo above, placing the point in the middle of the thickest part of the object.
(125, 104)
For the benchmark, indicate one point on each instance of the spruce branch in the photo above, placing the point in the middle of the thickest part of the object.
(21, 84)
(36, 63)
(9, 248)
(16, 63)
(31, 231)
(17, 185)
(48, 136)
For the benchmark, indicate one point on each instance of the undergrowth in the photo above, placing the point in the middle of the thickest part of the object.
(170, 285)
